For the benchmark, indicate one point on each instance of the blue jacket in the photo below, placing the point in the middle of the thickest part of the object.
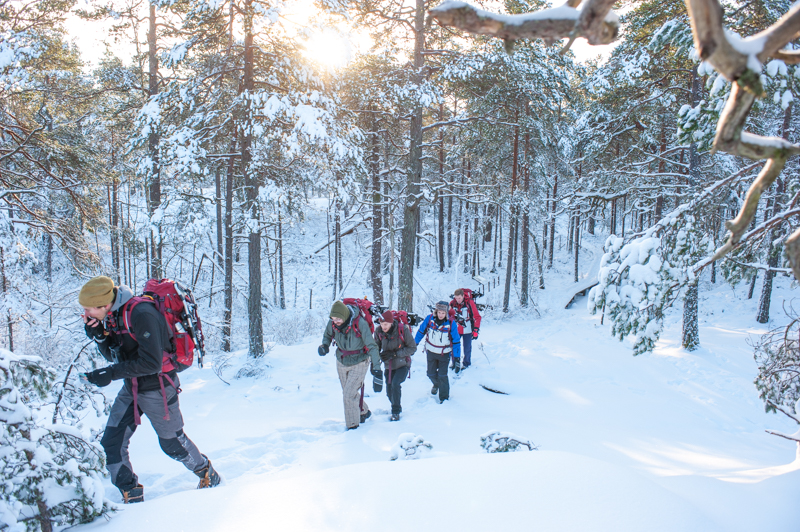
(429, 322)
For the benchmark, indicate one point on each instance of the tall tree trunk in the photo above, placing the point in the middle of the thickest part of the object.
(336, 243)
(227, 313)
(280, 261)
(218, 201)
(774, 250)
(576, 241)
(691, 332)
(552, 222)
(154, 179)
(4, 280)
(661, 164)
(376, 273)
(411, 204)
(440, 198)
(512, 220)
(255, 325)
(450, 231)
(613, 224)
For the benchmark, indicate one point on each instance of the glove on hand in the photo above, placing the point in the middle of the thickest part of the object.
(96, 331)
(475, 334)
(376, 372)
(456, 365)
(323, 350)
(98, 377)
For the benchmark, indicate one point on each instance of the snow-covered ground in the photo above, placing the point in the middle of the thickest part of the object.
(669, 441)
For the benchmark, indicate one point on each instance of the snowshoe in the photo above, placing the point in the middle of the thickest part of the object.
(208, 476)
(133, 495)
(366, 416)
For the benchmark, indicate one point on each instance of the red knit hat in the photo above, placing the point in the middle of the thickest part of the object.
(387, 316)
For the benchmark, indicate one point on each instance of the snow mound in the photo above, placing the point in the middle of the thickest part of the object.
(409, 446)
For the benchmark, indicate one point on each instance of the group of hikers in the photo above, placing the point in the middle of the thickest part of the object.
(448, 333)
(148, 339)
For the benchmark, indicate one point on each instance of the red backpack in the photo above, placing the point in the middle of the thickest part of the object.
(177, 304)
(366, 309)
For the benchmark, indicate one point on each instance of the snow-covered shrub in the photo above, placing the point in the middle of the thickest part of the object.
(640, 279)
(778, 359)
(496, 441)
(49, 474)
(287, 327)
(410, 446)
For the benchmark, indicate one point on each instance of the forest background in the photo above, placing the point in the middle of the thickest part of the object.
(198, 138)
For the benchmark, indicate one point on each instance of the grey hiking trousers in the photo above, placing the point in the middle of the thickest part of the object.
(121, 426)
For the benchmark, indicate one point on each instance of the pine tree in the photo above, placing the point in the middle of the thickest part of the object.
(52, 476)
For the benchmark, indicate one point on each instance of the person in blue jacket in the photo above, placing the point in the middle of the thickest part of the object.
(441, 341)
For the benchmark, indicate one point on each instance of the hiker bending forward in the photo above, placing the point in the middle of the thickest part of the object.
(112, 324)
(396, 345)
(355, 347)
(441, 341)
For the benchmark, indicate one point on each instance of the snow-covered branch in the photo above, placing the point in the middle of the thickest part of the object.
(596, 22)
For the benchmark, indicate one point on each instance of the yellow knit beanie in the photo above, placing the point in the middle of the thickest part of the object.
(98, 292)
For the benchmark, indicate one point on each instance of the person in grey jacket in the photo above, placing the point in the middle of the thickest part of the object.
(355, 347)
(396, 344)
(146, 390)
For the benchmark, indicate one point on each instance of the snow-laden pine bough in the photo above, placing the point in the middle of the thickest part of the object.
(738, 60)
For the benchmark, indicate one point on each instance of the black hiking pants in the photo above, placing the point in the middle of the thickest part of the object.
(121, 426)
(437, 373)
(394, 379)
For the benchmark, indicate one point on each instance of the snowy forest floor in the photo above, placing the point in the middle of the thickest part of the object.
(668, 441)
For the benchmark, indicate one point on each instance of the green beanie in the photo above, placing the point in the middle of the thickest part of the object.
(340, 310)
(98, 292)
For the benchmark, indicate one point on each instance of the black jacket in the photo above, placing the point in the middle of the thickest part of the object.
(140, 358)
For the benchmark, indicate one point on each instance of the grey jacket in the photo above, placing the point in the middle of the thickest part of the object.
(351, 347)
(394, 352)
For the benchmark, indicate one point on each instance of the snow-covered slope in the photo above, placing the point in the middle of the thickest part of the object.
(668, 441)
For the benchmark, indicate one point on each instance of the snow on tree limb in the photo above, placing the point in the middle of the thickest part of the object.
(739, 60)
(596, 22)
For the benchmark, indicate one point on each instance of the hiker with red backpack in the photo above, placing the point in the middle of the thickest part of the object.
(351, 327)
(133, 335)
(441, 342)
(469, 321)
(396, 345)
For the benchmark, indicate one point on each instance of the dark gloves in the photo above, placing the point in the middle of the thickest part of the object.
(96, 331)
(457, 365)
(323, 350)
(98, 377)
(376, 372)
(475, 333)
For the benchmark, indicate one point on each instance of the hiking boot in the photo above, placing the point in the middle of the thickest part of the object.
(435, 389)
(133, 495)
(353, 428)
(208, 476)
(395, 417)
(366, 416)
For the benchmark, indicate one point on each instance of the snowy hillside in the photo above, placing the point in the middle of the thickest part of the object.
(668, 441)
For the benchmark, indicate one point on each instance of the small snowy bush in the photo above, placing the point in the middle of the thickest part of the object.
(496, 441)
(409, 446)
(49, 474)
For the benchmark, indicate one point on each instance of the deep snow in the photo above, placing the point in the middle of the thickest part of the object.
(669, 441)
